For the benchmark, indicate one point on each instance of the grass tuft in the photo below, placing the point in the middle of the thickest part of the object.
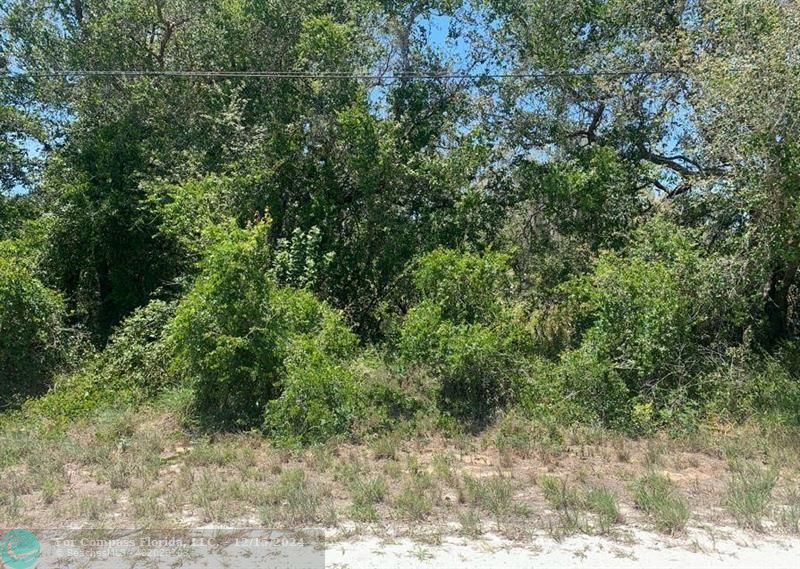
(655, 494)
(749, 494)
(295, 497)
(790, 514)
(603, 502)
(495, 495)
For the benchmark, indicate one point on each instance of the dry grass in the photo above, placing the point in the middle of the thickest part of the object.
(143, 470)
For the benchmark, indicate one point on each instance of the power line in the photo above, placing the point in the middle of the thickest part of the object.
(336, 75)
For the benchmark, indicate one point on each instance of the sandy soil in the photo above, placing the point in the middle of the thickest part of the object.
(731, 549)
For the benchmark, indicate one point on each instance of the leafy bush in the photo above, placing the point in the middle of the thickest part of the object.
(464, 332)
(466, 287)
(640, 319)
(132, 368)
(298, 261)
(234, 330)
(137, 354)
(594, 386)
(320, 399)
(748, 385)
(32, 340)
(646, 320)
(392, 395)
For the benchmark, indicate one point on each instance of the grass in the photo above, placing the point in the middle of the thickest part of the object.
(417, 498)
(413, 504)
(790, 514)
(366, 492)
(559, 494)
(50, 490)
(655, 494)
(470, 524)
(206, 492)
(143, 468)
(91, 508)
(12, 489)
(148, 509)
(387, 446)
(296, 498)
(493, 494)
(443, 468)
(603, 502)
(749, 494)
(567, 502)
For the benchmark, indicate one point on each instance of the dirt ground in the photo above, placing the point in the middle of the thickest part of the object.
(515, 496)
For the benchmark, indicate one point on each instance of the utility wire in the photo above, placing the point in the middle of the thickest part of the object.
(336, 75)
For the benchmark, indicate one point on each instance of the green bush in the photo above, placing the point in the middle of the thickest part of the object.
(749, 385)
(464, 331)
(320, 398)
(642, 318)
(466, 287)
(392, 395)
(132, 368)
(299, 261)
(32, 340)
(233, 332)
(137, 354)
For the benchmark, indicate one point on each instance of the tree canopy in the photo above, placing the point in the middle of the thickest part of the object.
(589, 207)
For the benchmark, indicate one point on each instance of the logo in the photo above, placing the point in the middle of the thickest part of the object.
(20, 549)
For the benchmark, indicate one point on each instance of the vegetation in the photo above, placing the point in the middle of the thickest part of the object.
(32, 322)
(544, 216)
(655, 494)
(749, 494)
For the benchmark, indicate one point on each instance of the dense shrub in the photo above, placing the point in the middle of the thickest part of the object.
(466, 287)
(299, 261)
(320, 398)
(101, 248)
(646, 320)
(31, 328)
(756, 385)
(234, 330)
(475, 364)
(133, 368)
(465, 332)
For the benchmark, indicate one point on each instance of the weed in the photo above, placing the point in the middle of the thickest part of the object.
(50, 490)
(559, 494)
(790, 514)
(368, 491)
(386, 447)
(415, 501)
(749, 493)
(91, 508)
(205, 496)
(655, 494)
(494, 494)
(296, 497)
(443, 467)
(602, 502)
(470, 522)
